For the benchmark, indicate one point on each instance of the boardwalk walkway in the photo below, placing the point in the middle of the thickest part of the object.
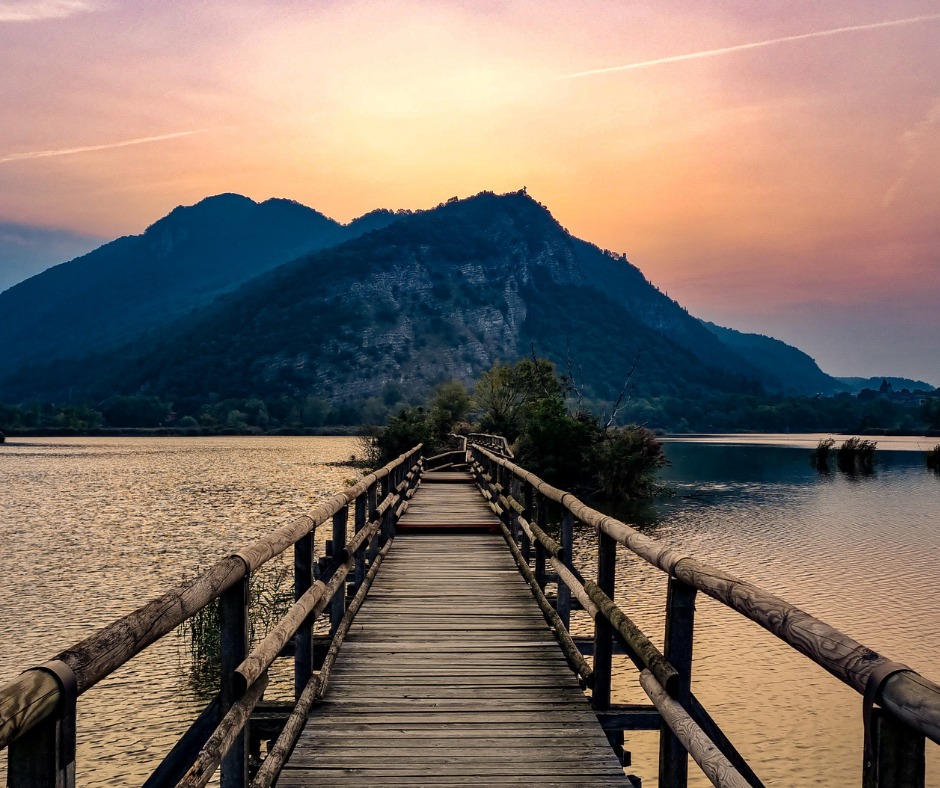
(449, 675)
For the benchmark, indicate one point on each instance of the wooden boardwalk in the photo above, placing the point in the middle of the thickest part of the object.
(449, 674)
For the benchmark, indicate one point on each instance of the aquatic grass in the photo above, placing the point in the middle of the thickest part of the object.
(856, 455)
(819, 457)
(270, 595)
(933, 459)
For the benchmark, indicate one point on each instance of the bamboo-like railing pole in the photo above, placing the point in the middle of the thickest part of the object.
(716, 767)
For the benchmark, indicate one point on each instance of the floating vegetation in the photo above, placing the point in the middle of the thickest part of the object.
(856, 455)
(819, 457)
(933, 459)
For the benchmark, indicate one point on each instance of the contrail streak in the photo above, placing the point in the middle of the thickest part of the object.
(45, 154)
(836, 31)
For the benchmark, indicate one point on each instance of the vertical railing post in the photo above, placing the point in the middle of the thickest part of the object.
(303, 640)
(542, 517)
(603, 632)
(338, 605)
(233, 622)
(563, 605)
(680, 628)
(370, 516)
(359, 518)
(384, 486)
(44, 757)
(896, 759)
(528, 505)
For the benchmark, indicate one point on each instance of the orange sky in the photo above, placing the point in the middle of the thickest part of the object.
(784, 178)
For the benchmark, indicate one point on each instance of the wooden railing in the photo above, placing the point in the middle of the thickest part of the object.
(908, 705)
(38, 709)
(495, 443)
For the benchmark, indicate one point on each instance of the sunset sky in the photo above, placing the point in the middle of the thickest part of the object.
(774, 166)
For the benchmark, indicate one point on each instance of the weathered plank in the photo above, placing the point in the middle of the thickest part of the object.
(451, 676)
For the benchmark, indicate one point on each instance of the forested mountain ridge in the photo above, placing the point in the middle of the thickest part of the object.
(142, 283)
(412, 299)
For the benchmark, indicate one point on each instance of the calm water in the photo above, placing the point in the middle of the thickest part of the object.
(113, 522)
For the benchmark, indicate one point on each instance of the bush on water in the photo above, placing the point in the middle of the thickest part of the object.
(933, 458)
(856, 455)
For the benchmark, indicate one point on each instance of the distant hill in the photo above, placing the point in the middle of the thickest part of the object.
(231, 298)
(855, 385)
(784, 368)
(142, 283)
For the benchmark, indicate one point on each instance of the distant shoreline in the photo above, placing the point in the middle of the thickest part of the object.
(353, 431)
(171, 432)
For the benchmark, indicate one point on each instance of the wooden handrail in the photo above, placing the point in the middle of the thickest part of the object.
(912, 698)
(496, 442)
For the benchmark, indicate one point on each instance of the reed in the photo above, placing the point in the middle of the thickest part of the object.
(856, 455)
(819, 457)
(271, 593)
(933, 458)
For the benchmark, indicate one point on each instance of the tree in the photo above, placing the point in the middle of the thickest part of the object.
(405, 430)
(450, 405)
(135, 411)
(503, 391)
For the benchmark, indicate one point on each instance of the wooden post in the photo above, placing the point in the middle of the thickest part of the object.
(44, 757)
(373, 548)
(539, 550)
(897, 757)
(303, 640)
(385, 486)
(528, 502)
(360, 523)
(338, 605)
(603, 632)
(563, 604)
(233, 620)
(680, 626)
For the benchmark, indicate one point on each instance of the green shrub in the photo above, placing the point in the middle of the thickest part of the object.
(405, 430)
(625, 462)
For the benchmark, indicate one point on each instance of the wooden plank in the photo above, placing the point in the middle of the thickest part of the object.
(450, 675)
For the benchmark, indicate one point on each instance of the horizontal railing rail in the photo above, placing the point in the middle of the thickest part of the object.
(38, 709)
(894, 734)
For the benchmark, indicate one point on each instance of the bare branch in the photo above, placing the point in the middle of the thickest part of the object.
(538, 372)
(619, 404)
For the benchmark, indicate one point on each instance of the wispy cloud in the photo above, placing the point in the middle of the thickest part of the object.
(46, 154)
(836, 31)
(37, 10)
(917, 140)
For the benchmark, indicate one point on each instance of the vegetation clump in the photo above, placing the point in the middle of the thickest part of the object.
(271, 594)
(819, 457)
(856, 455)
(528, 404)
(933, 458)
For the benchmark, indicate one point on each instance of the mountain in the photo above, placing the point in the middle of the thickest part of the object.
(142, 283)
(209, 304)
(783, 367)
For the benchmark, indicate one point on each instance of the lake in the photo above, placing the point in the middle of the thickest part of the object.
(94, 527)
